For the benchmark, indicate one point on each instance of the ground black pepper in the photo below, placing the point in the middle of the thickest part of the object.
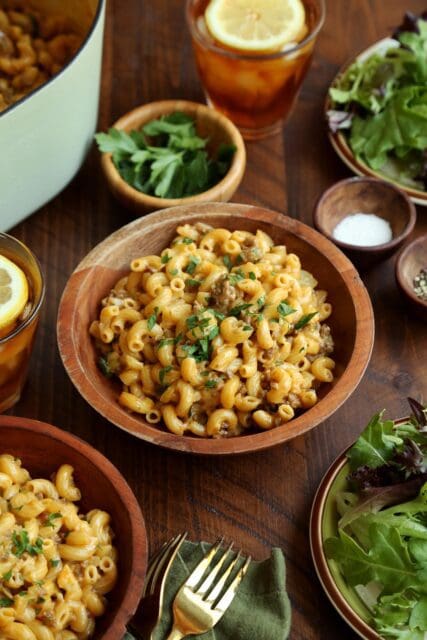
(420, 284)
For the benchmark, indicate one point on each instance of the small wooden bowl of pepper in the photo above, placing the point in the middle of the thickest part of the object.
(190, 173)
(411, 275)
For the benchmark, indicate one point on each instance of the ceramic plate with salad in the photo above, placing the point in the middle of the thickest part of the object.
(368, 529)
(377, 109)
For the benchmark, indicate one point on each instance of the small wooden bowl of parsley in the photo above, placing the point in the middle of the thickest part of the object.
(172, 152)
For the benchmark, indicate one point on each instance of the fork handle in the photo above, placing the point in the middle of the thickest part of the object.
(175, 634)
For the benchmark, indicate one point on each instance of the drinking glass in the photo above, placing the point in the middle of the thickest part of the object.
(257, 92)
(16, 346)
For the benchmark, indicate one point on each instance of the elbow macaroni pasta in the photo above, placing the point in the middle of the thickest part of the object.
(225, 333)
(56, 565)
(32, 49)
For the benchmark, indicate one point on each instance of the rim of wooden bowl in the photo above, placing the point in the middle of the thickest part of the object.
(136, 426)
(222, 191)
(330, 587)
(402, 281)
(137, 535)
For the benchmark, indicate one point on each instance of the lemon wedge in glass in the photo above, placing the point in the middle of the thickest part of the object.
(256, 25)
(13, 292)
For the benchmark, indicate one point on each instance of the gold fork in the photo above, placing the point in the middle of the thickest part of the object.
(198, 607)
(151, 605)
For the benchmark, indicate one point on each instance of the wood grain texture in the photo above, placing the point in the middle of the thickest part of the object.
(352, 324)
(264, 499)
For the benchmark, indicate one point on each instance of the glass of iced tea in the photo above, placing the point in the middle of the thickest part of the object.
(256, 90)
(21, 296)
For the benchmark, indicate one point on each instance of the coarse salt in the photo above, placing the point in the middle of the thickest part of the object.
(363, 230)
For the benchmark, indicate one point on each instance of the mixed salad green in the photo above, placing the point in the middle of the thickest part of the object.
(380, 103)
(381, 546)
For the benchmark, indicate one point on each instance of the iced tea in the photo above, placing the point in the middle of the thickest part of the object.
(16, 339)
(257, 92)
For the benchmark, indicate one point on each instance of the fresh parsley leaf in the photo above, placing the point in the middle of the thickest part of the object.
(252, 276)
(174, 272)
(236, 276)
(167, 341)
(50, 520)
(261, 301)
(237, 310)
(194, 283)
(247, 327)
(163, 372)
(7, 576)
(152, 321)
(305, 320)
(54, 563)
(192, 264)
(285, 309)
(166, 258)
(104, 367)
(220, 316)
(227, 261)
(6, 602)
(213, 332)
(186, 240)
(192, 321)
(211, 384)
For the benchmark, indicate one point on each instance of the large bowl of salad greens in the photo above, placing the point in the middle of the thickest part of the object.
(377, 109)
(368, 529)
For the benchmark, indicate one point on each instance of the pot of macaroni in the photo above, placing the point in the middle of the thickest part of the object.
(50, 66)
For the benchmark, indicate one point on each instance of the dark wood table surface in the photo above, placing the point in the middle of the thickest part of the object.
(262, 500)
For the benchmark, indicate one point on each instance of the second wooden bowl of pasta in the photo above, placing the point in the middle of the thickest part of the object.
(215, 328)
(72, 538)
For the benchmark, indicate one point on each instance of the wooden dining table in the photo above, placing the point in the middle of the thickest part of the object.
(260, 500)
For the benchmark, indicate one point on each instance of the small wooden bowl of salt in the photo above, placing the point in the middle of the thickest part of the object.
(368, 219)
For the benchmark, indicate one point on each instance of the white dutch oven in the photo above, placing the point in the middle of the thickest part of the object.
(45, 136)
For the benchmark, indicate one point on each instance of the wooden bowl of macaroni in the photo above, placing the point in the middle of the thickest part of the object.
(64, 469)
(264, 371)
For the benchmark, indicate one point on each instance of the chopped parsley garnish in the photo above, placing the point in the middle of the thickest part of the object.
(285, 309)
(240, 259)
(194, 283)
(104, 368)
(174, 272)
(192, 321)
(213, 332)
(192, 264)
(305, 320)
(247, 327)
(227, 261)
(218, 315)
(55, 563)
(152, 319)
(167, 341)
(235, 311)
(211, 384)
(236, 276)
(252, 275)
(6, 602)
(163, 372)
(166, 258)
(39, 583)
(7, 576)
(50, 519)
(21, 544)
(186, 240)
(260, 302)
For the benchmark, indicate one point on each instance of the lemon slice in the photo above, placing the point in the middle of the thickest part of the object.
(256, 25)
(13, 292)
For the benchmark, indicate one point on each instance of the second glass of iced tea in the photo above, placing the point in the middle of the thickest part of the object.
(256, 91)
(16, 341)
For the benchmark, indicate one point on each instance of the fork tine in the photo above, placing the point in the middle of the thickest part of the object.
(158, 561)
(195, 577)
(216, 591)
(207, 583)
(164, 560)
(231, 591)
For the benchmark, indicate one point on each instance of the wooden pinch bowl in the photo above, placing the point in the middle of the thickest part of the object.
(366, 195)
(411, 260)
(209, 124)
(351, 321)
(42, 449)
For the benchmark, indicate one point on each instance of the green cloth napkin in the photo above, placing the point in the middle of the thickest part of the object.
(260, 610)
